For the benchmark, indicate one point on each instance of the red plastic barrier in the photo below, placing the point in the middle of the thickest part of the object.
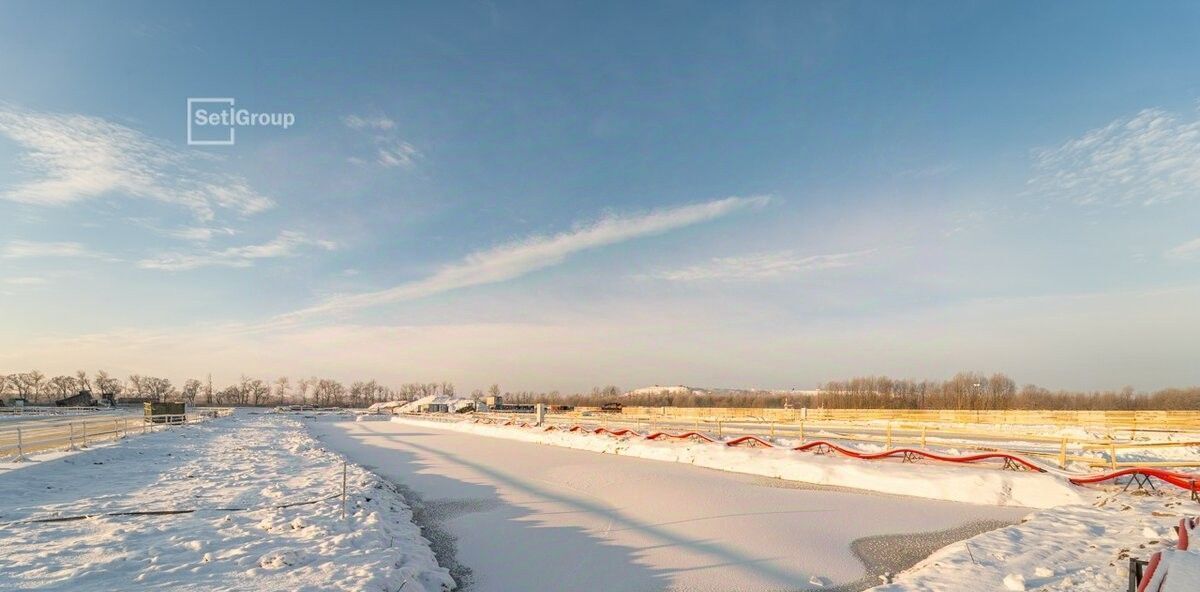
(923, 453)
(684, 436)
(1187, 481)
(752, 439)
(620, 432)
(1184, 481)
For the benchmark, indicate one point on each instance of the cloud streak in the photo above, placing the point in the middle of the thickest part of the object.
(390, 150)
(1184, 251)
(759, 266)
(71, 157)
(287, 244)
(1150, 158)
(518, 258)
(22, 249)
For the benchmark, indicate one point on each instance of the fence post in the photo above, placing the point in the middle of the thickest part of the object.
(343, 490)
(720, 432)
(1062, 454)
(889, 435)
(802, 431)
(772, 429)
(923, 437)
(20, 447)
(84, 445)
(71, 442)
(1112, 455)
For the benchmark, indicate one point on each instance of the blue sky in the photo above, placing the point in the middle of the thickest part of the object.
(555, 196)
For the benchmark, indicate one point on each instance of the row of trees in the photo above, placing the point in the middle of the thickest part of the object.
(37, 388)
(966, 390)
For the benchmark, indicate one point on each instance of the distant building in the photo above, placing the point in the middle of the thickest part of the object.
(82, 399)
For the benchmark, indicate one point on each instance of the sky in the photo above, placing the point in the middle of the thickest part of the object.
(555, 196)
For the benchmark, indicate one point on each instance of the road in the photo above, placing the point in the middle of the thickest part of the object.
(508, 515)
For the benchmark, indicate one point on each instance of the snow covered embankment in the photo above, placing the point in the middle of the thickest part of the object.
(971, 484)
(255, 463)
(1069, 549)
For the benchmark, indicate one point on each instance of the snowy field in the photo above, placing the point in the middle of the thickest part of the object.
(237, 473)
(252, 502)
(1081, 541)
(521, 516)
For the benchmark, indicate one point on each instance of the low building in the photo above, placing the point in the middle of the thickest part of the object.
(81, 399)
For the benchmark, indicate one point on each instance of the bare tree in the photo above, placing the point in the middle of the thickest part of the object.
(283, 389)
(158, 389)
(30, 384)
(61, 386)
(256, 391)
(82, 382)
(106, 384)
(191, 389)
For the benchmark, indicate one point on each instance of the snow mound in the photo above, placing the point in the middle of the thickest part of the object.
(266, 515)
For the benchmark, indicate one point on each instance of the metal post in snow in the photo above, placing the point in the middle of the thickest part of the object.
(20, 447)
(343, 490)
(84, 445)
(71, 445)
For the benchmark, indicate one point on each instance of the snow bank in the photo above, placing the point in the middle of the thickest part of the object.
(976, 485)
(248, 477)
(1069, 549)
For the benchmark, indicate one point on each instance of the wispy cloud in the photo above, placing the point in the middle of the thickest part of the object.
(518, 258)
(358, 122)
(1187, 250)
(287, 244)
(25, 281)
(760, 266)
(198, 233)
(1149, 158)
(397, 153)
(71, 157)
(390, 150)
(22, 249)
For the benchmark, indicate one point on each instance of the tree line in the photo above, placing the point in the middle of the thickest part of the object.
(965, 390)
(39, 389)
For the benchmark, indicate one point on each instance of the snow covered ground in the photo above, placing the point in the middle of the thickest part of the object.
(1081, 541)
(971, 484)
(238, 473)
(1080, 548)
(517, 516)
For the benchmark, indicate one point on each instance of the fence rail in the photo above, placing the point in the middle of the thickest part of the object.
(1114, 420)
(69, 434)
(1060, 450)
